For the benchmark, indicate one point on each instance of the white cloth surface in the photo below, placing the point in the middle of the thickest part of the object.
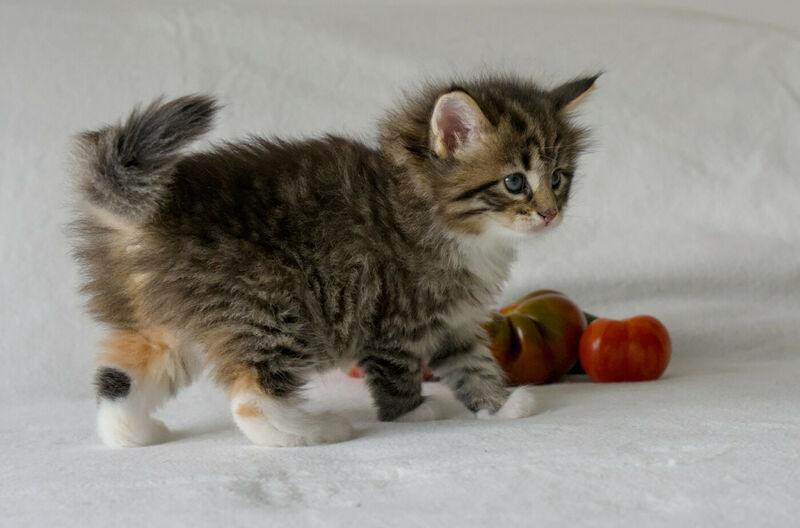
(686, 208)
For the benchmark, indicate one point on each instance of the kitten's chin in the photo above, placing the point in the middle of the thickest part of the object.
(495, 234)
(521, 230)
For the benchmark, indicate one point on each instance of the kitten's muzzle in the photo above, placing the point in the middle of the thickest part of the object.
(548, 216)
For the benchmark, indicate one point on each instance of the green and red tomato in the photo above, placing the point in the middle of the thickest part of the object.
(535, 340)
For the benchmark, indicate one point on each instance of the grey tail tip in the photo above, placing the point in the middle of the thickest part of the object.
(132, 163)
(174, 123)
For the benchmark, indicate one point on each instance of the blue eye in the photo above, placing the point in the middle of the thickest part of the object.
(515, 183)
(555, 179)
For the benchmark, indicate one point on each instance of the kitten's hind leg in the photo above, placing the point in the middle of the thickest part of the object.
(469, 369)
(267, 407)
(137, 372)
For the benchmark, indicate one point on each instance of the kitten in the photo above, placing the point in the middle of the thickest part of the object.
(270, 260)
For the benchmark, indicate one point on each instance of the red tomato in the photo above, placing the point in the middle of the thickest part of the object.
(355, 372)
(635, 349)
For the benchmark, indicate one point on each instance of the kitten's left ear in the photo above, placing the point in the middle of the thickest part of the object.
(572, 93)
(457, 125)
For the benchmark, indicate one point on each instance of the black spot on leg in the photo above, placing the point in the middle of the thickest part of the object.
(112, 383)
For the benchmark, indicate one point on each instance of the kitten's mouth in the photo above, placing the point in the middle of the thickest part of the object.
(542, 222)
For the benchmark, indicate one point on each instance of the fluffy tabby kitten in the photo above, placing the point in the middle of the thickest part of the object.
(269, 260)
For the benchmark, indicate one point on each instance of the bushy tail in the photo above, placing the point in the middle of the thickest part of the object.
(127, 168)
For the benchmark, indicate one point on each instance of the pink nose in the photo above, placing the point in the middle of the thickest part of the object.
(547, 216)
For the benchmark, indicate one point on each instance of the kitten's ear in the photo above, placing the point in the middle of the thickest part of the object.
(570, 94)
(457, 124)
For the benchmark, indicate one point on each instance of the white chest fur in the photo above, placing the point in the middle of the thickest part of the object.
(489, 261)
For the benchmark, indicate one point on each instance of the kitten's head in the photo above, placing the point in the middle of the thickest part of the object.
(496, 155)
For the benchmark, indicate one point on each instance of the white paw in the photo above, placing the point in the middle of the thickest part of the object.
(261, 432)
(118, 428)
(520, 404)
(307, 430)
(330, 428)
(433, 407)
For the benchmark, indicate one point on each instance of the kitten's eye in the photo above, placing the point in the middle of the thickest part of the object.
(555, 179)
(515, 183)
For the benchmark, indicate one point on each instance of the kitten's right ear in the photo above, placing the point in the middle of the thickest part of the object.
(570, 94)
(457, 125)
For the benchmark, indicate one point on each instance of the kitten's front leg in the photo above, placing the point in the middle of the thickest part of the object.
(466, 364)
(394, 378)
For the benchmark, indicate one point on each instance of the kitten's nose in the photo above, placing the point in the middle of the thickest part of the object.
(547, 215)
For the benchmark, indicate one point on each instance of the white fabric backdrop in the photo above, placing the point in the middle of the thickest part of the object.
(687, 208)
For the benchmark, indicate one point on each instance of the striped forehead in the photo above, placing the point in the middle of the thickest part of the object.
(538, 147)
